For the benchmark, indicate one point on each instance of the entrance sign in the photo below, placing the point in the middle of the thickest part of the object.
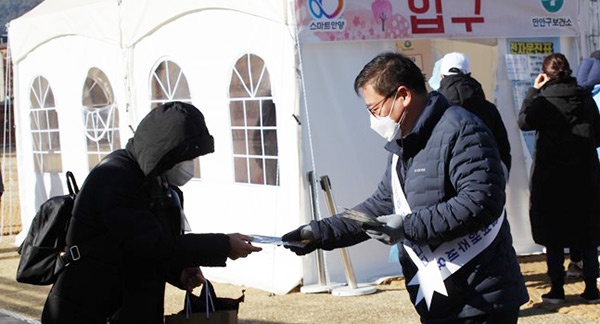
(358, 20)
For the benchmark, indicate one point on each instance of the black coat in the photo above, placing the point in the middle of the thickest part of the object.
(452, 175)
(565, 174)
(463, 90)
(124, 204)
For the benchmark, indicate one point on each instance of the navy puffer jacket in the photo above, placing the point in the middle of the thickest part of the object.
(588, 72)
(451, 173)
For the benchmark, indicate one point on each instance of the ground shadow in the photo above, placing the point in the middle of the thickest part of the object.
(16, 296)
(533, 311)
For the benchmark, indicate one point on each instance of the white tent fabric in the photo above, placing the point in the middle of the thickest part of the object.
(517, 192)
(321, 122)
(126, 42)
(94, 19)
(121, 23)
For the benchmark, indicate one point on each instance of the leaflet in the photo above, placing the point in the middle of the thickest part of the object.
(263, 239)
(361, 217)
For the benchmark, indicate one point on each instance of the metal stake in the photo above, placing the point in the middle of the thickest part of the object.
(322, 286)
(353, 289)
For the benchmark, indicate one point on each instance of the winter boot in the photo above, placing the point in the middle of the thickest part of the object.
(591, 294)
(556, 296)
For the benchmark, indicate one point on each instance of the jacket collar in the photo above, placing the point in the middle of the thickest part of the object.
(410, 144)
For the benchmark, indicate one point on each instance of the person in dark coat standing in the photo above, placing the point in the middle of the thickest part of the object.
(565, 174)
(588, 76)
(130, 217)
(460, 88)
(440, 201)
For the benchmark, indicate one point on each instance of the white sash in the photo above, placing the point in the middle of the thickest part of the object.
(435, 266)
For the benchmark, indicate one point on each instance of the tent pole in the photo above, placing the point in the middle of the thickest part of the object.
(593, 29)
(320, 260)
(322, 286)
(326, 186)
(353, 288)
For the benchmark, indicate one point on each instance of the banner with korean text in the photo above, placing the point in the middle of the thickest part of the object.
(357, 20)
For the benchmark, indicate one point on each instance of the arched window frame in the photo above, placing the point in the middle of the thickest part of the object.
(100, 116)
(174, 88)
(253, 123)
(44, 127)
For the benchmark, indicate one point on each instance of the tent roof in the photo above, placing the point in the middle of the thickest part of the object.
(121, 22)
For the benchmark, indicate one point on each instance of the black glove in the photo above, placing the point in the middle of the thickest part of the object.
(300, 241)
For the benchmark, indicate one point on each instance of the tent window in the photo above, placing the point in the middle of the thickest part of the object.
(44, 128)
(253, 123)
(168, 83)
(100, 117)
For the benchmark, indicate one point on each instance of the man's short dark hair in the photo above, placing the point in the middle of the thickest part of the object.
(389, 70)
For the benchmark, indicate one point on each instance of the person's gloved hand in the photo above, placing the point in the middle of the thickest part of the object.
(391, 230)
(300, 241)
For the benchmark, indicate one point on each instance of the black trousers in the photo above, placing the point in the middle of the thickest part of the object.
(555, 259)
(507, 317)
(510, 316)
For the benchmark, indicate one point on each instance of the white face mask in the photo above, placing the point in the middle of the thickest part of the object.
(386, 127)
(180, 173)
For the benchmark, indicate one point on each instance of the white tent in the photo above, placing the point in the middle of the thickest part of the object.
(86, 72)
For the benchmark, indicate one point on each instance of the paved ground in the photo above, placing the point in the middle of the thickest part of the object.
(7, 317)
(21, 303)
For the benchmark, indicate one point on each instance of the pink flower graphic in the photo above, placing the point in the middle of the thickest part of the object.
(382, 10)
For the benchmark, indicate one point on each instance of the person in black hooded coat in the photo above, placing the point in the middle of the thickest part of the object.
(131, 204)
(565, 174)
(460, 88)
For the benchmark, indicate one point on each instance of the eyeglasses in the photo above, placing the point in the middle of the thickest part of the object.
(376, 106)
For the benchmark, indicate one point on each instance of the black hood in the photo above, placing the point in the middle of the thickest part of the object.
(462, 90)
(169, 134)
(563, 89)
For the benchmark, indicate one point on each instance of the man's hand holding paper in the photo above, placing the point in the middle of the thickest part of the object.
(390, 231)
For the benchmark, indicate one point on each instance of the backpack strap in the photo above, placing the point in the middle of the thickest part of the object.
(77, 251)
(72, 184)
(72, 253)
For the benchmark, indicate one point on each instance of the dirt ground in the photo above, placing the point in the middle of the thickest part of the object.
(389, 304)
(10, 208)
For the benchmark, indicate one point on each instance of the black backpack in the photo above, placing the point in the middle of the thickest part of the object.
(43, 253)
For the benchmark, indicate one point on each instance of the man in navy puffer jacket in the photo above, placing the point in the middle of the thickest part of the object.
(441, 201)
